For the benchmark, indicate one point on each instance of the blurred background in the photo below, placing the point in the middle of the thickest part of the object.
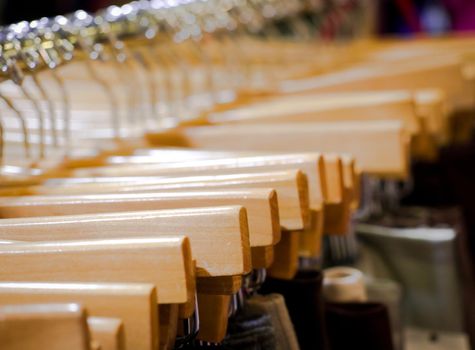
(400, 17)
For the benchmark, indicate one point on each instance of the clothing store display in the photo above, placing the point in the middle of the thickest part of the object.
(364, 326)
(304, 292)
(236, 175)
(274, 306)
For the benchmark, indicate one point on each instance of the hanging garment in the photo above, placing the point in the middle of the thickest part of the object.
(304, 300)
(274, 306)
(250, 330)
(358, 326)
(388, 293)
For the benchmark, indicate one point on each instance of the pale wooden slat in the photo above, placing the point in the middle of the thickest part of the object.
(223, 227)
(107, 332)
(164, 262)
(135, 304)
(261, 206)
(291, 187)
(44, 327)
(379, 147)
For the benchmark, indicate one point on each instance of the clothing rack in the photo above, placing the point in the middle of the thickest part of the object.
(229, 174)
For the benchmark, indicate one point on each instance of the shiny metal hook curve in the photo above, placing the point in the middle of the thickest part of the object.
(94, 54)
(18, 78)
(24, 128)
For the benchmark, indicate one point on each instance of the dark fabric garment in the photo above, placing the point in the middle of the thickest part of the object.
(247, 330)
(304, 300)
(250, 331)
(358, 326)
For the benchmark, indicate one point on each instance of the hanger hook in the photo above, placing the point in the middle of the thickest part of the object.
(19, 77)
(7, 68)
(78, 23)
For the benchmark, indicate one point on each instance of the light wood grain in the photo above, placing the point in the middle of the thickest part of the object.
(261, 206)
(224, 228)
(311, 164)
(44, 327)
(314, 107)
(311, 239)
(337, 212)
(135, 304)
(286, 256)
(379, 147)
(168, 326)
(291, 187)
(214, 311)
(107, 332)
(262, 257)
(444, 71)
(219, 285)
(164, 262)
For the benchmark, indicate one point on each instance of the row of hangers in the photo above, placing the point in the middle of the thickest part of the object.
(174, 153)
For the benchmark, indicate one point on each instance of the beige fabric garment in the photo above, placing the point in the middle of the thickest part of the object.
(274, 306)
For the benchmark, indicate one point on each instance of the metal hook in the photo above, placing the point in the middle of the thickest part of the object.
(191, 327)
(121, 64)
(24, 128)
(94, 52)
(17, 76)
(7, 69)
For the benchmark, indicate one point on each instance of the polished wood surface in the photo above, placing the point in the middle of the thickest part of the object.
(133, 303)
(107, 332)
(223, 227)
(261, 206)
(389, 159)
(44, 327)
(141, 260)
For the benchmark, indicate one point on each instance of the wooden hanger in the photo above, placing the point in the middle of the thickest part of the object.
(231, 284)
(389, 159)
(261, 205)
(223, 227)
(419, 111)
(351, 180)
(291, 187)
(442, 71)
(216, 316)
(310, 164)
(238, 162)
(337, 213)
(320, 107)
(108, 333)
(96, 261)
(149, 161)
(44, 327)
(135, 304)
